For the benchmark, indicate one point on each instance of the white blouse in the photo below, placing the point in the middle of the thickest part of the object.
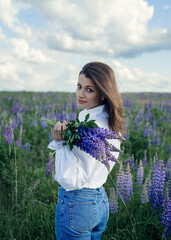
(77, 169)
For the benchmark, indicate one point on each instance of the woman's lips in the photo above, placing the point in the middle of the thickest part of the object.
(81, 102)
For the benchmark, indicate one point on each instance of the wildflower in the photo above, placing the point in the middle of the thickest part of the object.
(140, 174)
(120, 183)
(27, 147)
(157, 186)
(43, 123)
(113, 203)
(156, 159)
(144, 161)
(49, 167)
(158, 140)
(168, 149)
(144, 193)
(19, 120)
(128, 183)
(8, 133)
(19, 140)
(166, 215)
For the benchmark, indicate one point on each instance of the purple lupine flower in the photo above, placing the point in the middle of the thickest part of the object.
(128, 183)
(93, 141)
(153, 137)
(157, 186)
(168, 149)
(72, 116)
(154, 125)
(120, 183)
(9, 136)
(165, 132)
(156, 159)
(16, 108)
(158, 140)
(19, 142)
(49, 167)
(34, 122)
(19, 119)
(168, 175)
(145, 133)
(166, 215)
(113, 203)
(27, 147)
(43, 123)
(74, 106)
(140, 174)
(145, 193)
(144, 161)
(135, 125)
(135, 165)
(13, 123)
(132, 162)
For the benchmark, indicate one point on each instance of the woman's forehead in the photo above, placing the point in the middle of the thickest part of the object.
(85, 81)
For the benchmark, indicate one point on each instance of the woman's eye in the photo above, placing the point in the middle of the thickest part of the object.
(89, 90)
(78, 86)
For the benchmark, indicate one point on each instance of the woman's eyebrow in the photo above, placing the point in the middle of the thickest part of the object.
(85, 86)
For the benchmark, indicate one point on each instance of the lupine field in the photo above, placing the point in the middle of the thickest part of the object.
(139, 188)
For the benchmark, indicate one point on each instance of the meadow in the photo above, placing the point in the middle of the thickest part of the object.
(139, 188)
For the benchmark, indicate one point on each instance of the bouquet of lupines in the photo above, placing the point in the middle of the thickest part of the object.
(90, 138)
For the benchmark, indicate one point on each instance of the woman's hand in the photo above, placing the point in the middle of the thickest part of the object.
(57, 134)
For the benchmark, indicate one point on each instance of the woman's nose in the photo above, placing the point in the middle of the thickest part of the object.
(81, 93)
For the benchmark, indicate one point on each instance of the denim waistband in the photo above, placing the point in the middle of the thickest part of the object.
(84, 191)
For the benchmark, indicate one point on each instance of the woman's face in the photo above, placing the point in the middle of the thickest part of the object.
(87, 93)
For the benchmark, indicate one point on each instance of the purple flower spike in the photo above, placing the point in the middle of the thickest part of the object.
(140, 174)
(145, 159)
(145, 193)
(27, 147)
(120, 183)
(166, 215)
(113, 203)
(8, 133)
(49, 167)
(128, 183)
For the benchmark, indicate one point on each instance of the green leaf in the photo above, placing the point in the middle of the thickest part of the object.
(87, 117)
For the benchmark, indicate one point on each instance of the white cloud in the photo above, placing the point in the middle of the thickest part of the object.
(133, 79)
(2, 36)
(22, 50)
(110, 28)
(166, 7)
(107, 28)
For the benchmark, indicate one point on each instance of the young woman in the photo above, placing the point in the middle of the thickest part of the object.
(82, 210)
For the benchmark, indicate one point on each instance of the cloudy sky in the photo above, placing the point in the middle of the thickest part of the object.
(45, 43)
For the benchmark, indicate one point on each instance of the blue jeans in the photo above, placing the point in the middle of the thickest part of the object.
(81, 214)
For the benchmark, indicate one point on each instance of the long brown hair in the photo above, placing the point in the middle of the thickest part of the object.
(104, 78)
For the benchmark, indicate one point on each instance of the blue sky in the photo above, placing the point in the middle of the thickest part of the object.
(44, 44)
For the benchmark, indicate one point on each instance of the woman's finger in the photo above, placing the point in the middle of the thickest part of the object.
(57, 131)
(63, 128)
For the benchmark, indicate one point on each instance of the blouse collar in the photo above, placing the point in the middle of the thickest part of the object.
(93, 111)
